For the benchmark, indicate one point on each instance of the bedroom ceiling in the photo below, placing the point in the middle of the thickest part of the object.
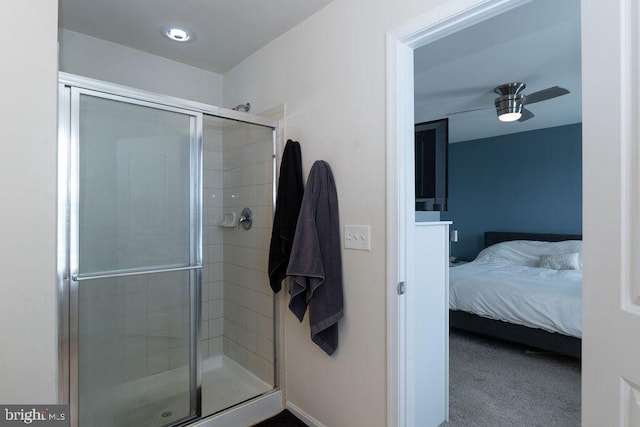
(226, 32)
(537, 43)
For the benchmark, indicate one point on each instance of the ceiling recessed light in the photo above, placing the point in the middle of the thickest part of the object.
(178, 34)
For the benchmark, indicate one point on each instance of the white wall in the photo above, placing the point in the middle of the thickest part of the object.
(27, 212)
(99, 59)
(330, 72)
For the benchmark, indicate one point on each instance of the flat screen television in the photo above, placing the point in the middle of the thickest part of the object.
(431, 150)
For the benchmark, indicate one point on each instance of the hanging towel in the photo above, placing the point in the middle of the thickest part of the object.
(315, 267)
(289, 198)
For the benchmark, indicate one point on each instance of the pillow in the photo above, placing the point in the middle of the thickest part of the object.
(527, 252)
(560, 261)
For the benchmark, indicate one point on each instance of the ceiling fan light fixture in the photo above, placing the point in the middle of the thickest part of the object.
(509, 107)
(509, 117)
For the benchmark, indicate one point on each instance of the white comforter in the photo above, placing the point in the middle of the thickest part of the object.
(535, 297)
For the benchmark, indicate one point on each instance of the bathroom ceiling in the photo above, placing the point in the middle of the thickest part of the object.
(537, 43)
(226, 31)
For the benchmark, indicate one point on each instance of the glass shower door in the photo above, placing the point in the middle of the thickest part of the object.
(135, 260)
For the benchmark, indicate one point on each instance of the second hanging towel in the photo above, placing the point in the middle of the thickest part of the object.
(315, 267)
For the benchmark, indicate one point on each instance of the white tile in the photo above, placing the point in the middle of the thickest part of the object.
(204, 349)
(204, 310)
(216, 346)
(213, 178)
(216, 253)
(135, 368)
(204, 329)
(250, 175)
(241, 355)
(251, 341)
(179, 356)
(216, 273)
(135, 284)
(135, 303)
(265, 370)
(263, 347)
(242, 336)
(216, 290)
(158, 362)
(216, 309)
(263, 238)
(251, 196)
(135, 324)
(160, 299)
(265, 305)
(252, 362)
(158, 321)
(252, 320)
(264, 195)
(216, 327)
(230, 348)
(216, 235)
(212, 217)
(214, 197)
(135, 346)
(158, 341)
(253, 301)
(215, 160)
(204, 291)
(262, 263)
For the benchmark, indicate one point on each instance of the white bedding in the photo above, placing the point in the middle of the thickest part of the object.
(520, 294)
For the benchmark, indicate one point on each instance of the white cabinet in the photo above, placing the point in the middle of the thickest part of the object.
(427, 326)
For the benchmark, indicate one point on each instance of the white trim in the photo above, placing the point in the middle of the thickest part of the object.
(304, 417)
(630, 135)
(437, 23)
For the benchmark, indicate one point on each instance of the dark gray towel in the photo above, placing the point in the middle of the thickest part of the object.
(315, 266)
(290, 193)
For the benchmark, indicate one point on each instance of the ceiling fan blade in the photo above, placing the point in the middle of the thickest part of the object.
(526, 115)
(544, 94)
(468, 111)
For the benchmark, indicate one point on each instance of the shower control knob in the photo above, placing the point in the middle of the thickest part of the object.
(246, 219)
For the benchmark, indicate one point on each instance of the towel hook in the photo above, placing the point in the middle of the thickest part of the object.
(246, 219)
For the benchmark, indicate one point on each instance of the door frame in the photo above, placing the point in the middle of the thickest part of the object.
(439, 22)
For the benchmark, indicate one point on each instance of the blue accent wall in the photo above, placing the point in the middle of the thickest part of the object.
(527, 182)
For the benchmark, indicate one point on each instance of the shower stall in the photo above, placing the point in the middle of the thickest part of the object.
(164, 220)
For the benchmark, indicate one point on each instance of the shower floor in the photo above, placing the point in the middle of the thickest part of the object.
(225, 383)
(157, 401)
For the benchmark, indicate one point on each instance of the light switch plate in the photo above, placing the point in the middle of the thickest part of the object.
(357, 237)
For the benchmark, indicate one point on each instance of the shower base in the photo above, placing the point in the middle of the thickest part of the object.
(225, 383)
(156, 400)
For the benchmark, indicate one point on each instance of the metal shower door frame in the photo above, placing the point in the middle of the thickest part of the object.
(68, 242)
(67, 360)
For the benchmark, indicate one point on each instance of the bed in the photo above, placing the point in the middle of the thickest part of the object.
(523, 287)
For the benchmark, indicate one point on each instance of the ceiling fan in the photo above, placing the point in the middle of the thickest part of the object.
(510, 104)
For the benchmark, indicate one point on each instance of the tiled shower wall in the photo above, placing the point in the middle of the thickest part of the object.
(238, 173)
(248, 303)
(212, 276)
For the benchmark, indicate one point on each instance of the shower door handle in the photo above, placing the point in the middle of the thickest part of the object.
(125, 273)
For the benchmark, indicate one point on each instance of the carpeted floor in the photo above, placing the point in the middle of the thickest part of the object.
(283, 419)
(495, 384)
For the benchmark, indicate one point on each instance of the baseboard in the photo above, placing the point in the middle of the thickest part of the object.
(306, 418)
